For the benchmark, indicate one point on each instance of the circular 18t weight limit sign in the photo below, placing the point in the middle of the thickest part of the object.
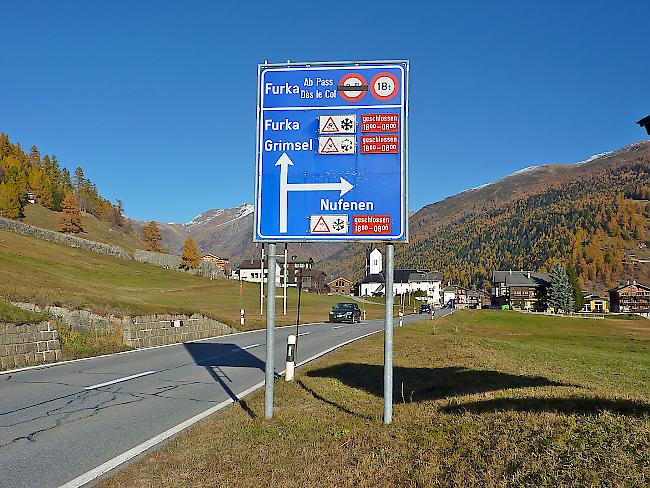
(384, 86)
(358, 87)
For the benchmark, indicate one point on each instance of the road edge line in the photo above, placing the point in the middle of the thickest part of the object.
(69, 361)
(111, 464)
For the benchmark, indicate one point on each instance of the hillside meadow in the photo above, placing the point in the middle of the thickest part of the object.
(45, 273)
(483, 398)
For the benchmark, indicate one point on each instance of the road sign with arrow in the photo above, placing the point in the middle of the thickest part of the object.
(313, 180)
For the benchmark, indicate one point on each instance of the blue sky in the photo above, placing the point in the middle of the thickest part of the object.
(156, 100)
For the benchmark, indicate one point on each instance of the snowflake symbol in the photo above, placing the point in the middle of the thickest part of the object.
(346, 124)
(338, 224)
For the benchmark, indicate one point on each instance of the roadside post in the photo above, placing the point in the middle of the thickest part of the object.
(331, 166)
(401, 318)
(291, 358)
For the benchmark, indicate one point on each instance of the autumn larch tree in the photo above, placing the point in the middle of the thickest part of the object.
(10, 203)
(70, 218)
(151, 237)
(191, 257)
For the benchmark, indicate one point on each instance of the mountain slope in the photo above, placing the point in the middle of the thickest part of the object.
(590, 215)
(229, 233)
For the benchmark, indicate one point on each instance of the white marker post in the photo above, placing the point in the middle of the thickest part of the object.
(401, 318)
(242, 313)
(291, 358)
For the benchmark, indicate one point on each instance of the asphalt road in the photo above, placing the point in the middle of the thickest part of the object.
(61, 421)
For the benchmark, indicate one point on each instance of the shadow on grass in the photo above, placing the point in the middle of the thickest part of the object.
(423, 384)
(215, 356)
(568, 406)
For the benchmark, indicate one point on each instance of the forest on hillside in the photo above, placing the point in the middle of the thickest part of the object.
(592, 225)
(587, 225)
(25, 176)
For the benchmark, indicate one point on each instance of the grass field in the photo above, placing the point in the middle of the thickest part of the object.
(45, 273)
(94, 229)
(15, 315)
(489, 399)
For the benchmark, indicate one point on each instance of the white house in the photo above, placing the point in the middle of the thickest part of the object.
(405, 281)
(448, 293)
(251, 270)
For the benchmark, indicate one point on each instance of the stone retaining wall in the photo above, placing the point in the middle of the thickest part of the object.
(140, 331)
(159, 330)
(206, 269)
(65, 239)
(28, 344)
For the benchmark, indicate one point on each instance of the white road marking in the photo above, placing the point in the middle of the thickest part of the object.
(304, 333)
(250, 347)
(140, 448)
(337, 327)
(119, 380)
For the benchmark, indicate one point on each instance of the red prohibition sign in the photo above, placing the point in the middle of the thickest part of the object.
(357, 84)
(384, 86)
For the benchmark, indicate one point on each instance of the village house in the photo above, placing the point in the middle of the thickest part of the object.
(251, 270)
(405, 281)
(595, 304)
(223, 263)
(340, 285)
(630, 298)
(525, 290)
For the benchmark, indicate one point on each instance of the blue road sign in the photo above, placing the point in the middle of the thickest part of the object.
(332, 152)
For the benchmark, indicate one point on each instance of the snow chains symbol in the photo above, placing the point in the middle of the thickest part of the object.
(347, 145)
(346, 124)
(338, 224)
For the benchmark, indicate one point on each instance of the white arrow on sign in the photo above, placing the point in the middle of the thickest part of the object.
(284, 162)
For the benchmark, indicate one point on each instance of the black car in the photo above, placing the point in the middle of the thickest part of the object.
(345, 312)
(425, 308)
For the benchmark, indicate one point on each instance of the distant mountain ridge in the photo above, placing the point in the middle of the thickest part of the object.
(229, 233)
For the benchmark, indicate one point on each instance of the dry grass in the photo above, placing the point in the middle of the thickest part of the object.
(45, 273)
(490, 399)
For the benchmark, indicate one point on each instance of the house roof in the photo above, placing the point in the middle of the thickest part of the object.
(634, 283)
(412, 275)
(332, 280)
(374, 278)
(521, 278)
(250, 264)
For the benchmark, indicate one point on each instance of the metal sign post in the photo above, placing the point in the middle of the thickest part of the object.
(331, 164)
(270, 335)
(388, 337)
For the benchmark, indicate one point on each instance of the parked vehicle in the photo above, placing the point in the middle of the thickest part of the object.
(345, 312)
(425, 308)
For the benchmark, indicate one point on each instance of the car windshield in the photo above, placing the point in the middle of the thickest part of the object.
(344, 306)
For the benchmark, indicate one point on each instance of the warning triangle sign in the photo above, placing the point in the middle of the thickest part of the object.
(321, 226)
(330, 126)
(329, 147)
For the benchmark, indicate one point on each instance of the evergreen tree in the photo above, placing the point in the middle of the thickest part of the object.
(79, 179)
(578, 297)
(70, 218)
(10, 201)
(151, 237)
(66, 180)
(560, 294)
(191, 257)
